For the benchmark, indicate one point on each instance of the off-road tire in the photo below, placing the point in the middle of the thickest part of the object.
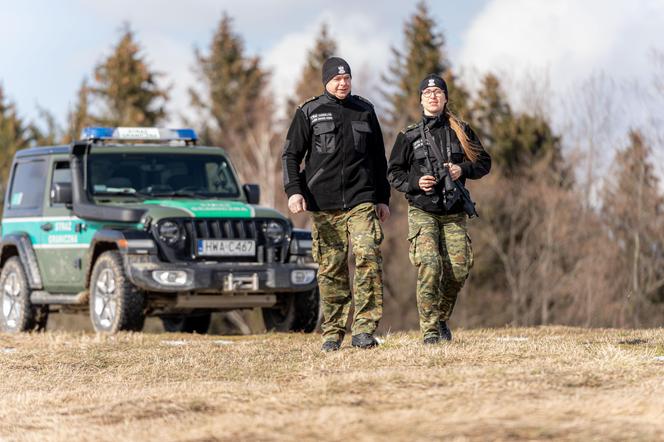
(115, 303)
(18, 313)
(187, 324)
(294, 312)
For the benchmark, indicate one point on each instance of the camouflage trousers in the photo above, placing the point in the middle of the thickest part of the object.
(440, 249)
(331, 233)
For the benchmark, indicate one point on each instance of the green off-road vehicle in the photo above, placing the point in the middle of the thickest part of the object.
(136, 222)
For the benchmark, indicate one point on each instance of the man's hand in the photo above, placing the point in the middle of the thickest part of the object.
(297, 204)
(455, 171)
(427, 182)
(383, 212)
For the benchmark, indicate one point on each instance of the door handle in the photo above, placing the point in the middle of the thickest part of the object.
(47, 227)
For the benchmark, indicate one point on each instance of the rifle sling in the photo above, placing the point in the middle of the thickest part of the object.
(431, 141)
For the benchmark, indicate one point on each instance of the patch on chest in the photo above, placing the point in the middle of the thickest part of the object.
(315, 118)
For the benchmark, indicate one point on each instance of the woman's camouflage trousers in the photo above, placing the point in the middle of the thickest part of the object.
(440, 249)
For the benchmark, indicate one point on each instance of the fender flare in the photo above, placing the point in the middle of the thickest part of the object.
(108, 239)
(22, 245)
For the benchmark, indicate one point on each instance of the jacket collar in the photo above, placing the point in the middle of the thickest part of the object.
(335, 99)
(433, 122)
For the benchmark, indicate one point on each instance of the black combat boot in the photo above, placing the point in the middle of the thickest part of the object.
(431, 340)
(444, 330)
(364, 340)
(330, 346)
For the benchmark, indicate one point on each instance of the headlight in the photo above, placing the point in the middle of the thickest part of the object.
(171, 277)
(169, 232)
(274, 231)
(302, 276)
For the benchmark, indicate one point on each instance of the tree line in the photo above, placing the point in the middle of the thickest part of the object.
(560, 239)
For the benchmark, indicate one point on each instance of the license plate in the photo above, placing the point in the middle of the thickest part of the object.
(226, 247)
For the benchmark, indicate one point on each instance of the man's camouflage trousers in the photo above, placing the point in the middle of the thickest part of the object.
(440, 249)
(331, 233)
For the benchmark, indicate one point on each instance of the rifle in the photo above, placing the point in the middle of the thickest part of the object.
(452, 190)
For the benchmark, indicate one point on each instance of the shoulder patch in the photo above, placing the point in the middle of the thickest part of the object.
(410, 127)
(308, 100)
(364, 100)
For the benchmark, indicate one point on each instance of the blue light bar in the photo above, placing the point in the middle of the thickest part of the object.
(137, 133)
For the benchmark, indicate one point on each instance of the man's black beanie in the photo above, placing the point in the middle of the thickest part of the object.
(433, 80)
(334, 66)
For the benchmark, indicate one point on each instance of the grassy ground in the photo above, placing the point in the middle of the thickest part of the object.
(500, 384)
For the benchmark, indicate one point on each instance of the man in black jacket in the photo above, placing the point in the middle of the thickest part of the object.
(345, 187)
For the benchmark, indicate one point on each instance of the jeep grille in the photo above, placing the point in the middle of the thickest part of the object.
(226, 228)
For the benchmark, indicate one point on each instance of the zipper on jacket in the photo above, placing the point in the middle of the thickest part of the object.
(343, 163)
(343, 186)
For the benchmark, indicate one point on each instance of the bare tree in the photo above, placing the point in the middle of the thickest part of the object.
(593, 112)
(259, 158)
(632, 208)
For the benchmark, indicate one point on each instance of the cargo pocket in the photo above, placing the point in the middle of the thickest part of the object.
(378, 232)
(361, 131)
(315, 254)
(325, 139)
(470, 257)
(419, 152)
(413, 234)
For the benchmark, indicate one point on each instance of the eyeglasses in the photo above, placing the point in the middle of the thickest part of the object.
(436, 92)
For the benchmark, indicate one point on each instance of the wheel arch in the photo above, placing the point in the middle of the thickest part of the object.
(19, 244)
(102, 241)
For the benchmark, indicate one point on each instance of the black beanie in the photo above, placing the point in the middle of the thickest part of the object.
(433, 80)
(334, 66)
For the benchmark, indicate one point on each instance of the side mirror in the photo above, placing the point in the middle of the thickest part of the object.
(61, 193)
(252, 192)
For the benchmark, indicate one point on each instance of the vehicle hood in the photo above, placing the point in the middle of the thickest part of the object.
(208, 208)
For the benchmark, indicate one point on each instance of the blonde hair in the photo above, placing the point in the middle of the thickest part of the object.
(470, 148)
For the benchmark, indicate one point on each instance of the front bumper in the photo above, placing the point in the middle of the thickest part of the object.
(212, 277)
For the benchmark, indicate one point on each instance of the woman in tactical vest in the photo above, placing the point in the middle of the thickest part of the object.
(430, 163)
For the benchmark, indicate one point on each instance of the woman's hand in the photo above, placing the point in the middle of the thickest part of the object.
(427, 182)
(455, 171)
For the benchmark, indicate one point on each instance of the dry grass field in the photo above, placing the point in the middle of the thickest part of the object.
(549, 383)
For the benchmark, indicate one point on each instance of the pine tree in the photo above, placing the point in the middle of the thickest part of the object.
(47, 134)
(490, 110)
(79, 116)
(126, 89)
(309, 84)
(424, 54)
(517, 141)
(231, 84)
(523, 141)
(14, 135)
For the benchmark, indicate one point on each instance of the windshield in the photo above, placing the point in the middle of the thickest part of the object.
(160, 174)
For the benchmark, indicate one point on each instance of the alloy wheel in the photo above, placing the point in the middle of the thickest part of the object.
(11, 303)
(105, 299)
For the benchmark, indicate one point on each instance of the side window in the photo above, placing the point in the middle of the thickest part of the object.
(26, 194)
(61, 174)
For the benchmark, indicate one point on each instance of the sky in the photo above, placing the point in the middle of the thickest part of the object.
(47, 48)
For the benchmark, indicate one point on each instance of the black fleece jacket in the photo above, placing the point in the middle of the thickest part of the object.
(344, 156)
(408, 162)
